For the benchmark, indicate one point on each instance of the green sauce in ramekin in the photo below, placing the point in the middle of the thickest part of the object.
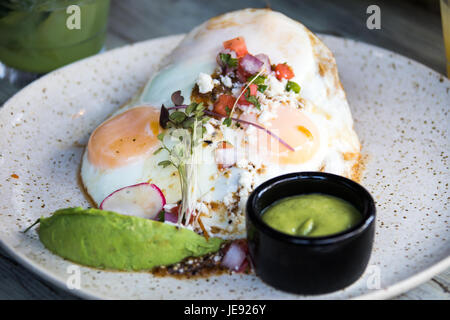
(311, 215)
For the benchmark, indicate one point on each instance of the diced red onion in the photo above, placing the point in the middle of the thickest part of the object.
(250, 64)
(241, 75)
(243, 266)
(234, 257)
(171, 217)
(171, 212)
(265, 60)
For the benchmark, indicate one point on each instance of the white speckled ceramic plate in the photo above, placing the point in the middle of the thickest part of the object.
(401, 112)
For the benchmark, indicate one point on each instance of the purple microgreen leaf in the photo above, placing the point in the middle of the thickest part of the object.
(177, 98)
(163, 117)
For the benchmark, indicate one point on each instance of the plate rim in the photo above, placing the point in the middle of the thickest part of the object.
(384, 293)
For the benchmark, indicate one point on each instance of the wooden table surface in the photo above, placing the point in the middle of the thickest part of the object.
(411, 28)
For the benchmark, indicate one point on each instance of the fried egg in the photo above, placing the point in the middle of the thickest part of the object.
(121, 151)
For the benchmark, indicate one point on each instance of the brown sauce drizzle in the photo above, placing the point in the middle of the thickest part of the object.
(198, 267)
(195, 267)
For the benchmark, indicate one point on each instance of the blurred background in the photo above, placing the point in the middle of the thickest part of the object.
(36, 36)
(412, 28)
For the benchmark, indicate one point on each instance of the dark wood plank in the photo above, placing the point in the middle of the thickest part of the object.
(16, 282)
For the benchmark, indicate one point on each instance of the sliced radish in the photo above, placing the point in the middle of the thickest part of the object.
(143, 200)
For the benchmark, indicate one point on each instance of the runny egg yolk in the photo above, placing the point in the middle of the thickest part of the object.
(124, 138)
(294, 128)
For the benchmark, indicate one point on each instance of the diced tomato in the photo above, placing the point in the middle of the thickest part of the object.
(253, 89)
(283, 71)
(237, 45)
(225, 101)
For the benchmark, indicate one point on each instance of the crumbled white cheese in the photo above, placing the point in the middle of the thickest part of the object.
(275, 87)
(205, 83)
(246, 181)
(236, 91)
(242, 163)
(226, 80)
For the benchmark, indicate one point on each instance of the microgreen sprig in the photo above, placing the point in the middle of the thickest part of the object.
(182, 119)
(188, 122)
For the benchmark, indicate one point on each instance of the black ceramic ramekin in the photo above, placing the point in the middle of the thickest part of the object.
(309, 265)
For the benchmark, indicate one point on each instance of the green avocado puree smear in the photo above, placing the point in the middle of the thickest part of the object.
(108, 240)
(311, 215)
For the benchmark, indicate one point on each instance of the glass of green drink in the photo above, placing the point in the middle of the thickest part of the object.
(445, 12)
(38, 36)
